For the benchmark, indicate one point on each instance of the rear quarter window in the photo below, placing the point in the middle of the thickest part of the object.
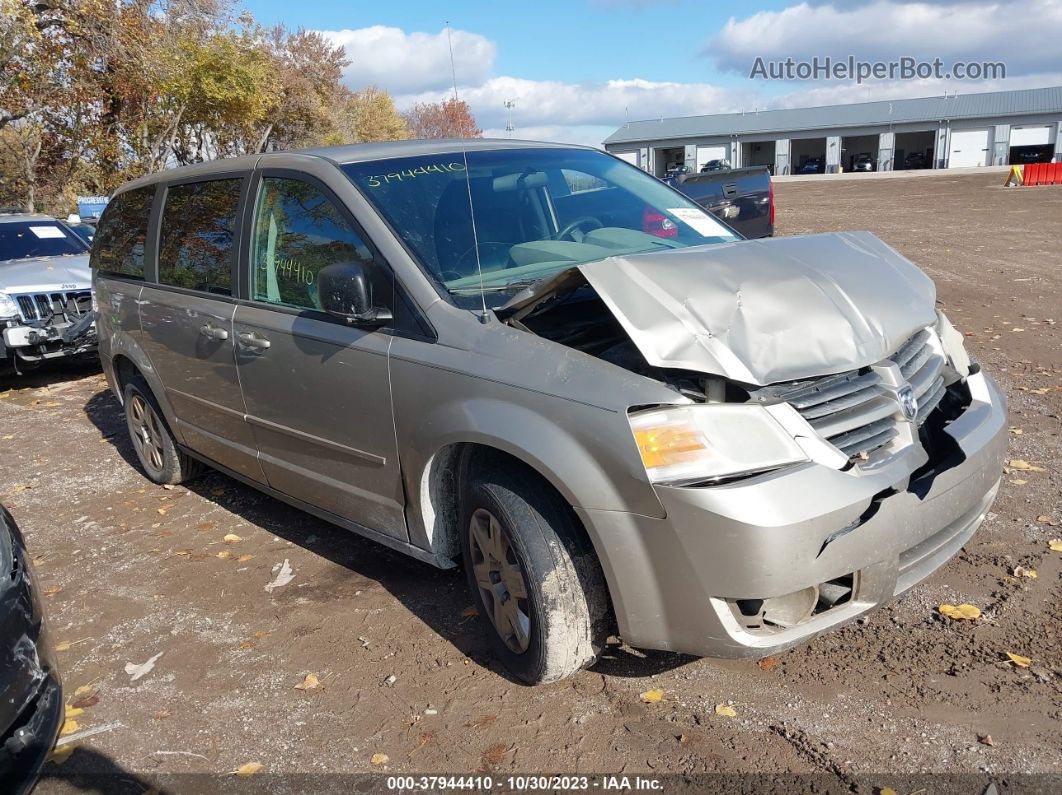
(118, 247)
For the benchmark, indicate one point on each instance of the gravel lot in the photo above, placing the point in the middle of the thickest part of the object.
(132, 571)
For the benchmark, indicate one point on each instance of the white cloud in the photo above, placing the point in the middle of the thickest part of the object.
(406, 62)
(544, 103)
(888, 29)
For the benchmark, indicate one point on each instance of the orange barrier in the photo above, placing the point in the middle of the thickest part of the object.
(1042, 174)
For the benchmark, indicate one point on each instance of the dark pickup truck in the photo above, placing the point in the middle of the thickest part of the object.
(743, 198)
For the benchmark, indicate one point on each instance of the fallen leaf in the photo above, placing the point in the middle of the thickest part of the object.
(66, 644)
(469, 611)
(768, 663)
(960, 612)
(652, 696)
(69, 727)
(1045, 519)
(21, 487)
(1022, 465)
(1021, 571)
(232, 538)
(162, 714)
(1019, 660)
(62, 753)
(224, 554)
(284, 576)
(379, 759)
(263, 633)
(244, 558)
(85, 700)
(247, 769)
(53, 590)
(218, 492)
(167, 486)
(1016, 431)
(73, 712)
(309, 683)
(1055, 544)
(887, 791)
(725, 710)
(986, 739)
(1019, 482)
(206, 526)
(137, 671)
(162, 511)
(84, 689)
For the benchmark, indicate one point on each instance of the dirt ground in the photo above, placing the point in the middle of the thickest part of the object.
(132, 571)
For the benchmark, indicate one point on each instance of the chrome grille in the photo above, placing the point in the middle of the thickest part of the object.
(854, 411)
(67, 305)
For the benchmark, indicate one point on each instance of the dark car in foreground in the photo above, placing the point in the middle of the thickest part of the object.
(742, 198)
(31, 696)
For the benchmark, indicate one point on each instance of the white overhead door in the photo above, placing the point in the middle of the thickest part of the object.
(1030, 136)
(706, 153)
(968, 148)
(630, 157)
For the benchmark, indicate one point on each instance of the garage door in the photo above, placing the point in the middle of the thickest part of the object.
(1030, 136)
(968, 148)
(630, 157)
(706, 153)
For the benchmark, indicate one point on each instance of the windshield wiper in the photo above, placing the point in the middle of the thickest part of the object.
(496, 288)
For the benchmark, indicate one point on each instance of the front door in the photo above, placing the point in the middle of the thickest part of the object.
(317, 390)
(187, 320)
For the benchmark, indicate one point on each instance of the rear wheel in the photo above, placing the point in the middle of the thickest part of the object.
(155, 447)
(535, 579)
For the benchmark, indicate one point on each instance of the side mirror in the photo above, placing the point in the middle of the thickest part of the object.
(345, 292)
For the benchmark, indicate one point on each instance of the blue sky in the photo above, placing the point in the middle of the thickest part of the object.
(577, 69)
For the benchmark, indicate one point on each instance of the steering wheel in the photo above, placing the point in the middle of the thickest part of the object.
(575, 225)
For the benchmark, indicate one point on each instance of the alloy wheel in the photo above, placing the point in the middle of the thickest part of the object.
(147, 433)
(500, 579)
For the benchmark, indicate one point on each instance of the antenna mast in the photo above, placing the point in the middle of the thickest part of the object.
(483, 318)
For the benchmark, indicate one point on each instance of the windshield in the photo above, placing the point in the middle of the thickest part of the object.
(537, 212)
(22, 239)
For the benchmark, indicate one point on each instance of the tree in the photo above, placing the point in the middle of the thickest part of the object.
(370, 115)
(450, 119)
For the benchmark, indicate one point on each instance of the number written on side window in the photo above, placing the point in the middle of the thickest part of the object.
(297, 231)
(196, 239)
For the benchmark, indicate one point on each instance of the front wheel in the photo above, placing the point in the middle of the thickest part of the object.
(535, 579)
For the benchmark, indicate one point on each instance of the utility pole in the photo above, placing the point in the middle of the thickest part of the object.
(509, 105)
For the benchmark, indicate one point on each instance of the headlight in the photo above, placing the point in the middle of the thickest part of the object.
(8, 307)
(687, 444)
(953, 344)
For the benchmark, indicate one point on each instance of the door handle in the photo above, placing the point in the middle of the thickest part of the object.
(252, 340)
(213, 332)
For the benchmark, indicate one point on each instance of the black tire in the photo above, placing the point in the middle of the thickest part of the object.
(565, 598)
(156, 449)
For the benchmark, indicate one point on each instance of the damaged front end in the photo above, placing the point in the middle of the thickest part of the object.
(45, 324)
(824, 349)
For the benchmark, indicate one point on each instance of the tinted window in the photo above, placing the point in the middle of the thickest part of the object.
(22, 239)
(119, 241)
(298, 231)
(196, 240)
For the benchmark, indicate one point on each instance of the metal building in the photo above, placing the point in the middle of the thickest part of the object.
(955, 130)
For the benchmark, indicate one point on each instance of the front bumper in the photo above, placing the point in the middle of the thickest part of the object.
(675, 581)
(52, 341)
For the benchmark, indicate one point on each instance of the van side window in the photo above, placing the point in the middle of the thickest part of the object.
(297, 231)
(118, 247)
(198, 230)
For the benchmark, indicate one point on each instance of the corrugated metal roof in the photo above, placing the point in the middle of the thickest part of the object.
(897, 111)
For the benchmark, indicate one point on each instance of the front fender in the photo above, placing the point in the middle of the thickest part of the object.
(586, 452)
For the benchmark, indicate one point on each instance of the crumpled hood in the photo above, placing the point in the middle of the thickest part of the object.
(760, 311)
(45, 274)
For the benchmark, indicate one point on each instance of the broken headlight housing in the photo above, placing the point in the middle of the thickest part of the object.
(8, 307)
(684, 445)
(953, 345)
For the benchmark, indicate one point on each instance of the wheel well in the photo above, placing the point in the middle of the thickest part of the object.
(441, 494)
(124, 371)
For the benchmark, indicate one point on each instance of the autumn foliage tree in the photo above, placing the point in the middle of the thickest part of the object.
(96, 92)
(449, 119)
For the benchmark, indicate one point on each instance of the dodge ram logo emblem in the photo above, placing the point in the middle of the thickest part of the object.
(908, 402)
